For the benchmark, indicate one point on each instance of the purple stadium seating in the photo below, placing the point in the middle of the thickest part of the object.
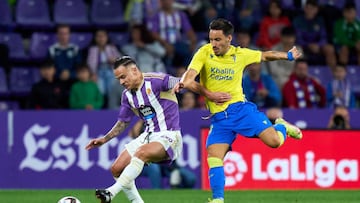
(15, 43)
(33, 14)
(119, 38)
(3, 83)
(39, 44)
(337, 3)
(107, 13)
(22, 79)
(5, 14)
(82, 39)
(71, 12)
(323, 73)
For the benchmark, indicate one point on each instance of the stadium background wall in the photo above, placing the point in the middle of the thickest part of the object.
(45, 149)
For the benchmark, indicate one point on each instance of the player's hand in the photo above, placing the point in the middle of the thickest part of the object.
(295, 52)
(95, 143)
(219, 98)
(177, 88)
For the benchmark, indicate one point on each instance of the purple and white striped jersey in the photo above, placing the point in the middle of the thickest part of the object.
(170, 27)
(153, 103)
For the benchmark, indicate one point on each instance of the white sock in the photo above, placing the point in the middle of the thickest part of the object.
(132, 193)
(129, 174)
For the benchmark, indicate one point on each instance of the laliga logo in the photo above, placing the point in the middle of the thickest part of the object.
(234, 167)
(323, 172)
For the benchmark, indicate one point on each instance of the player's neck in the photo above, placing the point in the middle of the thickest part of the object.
(227, 50)
(139, 83)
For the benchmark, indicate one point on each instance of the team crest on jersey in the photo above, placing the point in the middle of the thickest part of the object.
(148, 91)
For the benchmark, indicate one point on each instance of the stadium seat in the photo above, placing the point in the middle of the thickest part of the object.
(71, 12)
(4, 91)
(22, 79)
(5, 15)
(323, 73)
(33, 14)
(82, 39)
(39, 44)
(15, 43)
(119, 38)
(107, 13)
(338, 3)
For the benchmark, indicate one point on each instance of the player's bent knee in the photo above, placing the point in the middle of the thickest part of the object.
(272, 140)
(275, 141)
(142, 154)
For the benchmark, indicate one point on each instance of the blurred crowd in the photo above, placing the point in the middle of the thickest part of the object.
(162, 35)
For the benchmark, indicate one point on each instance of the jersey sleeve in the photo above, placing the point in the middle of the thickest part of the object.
(252, 56)
(169, 82)
(198, 60)
(125, 112)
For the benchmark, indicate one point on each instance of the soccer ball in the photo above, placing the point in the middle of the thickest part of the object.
(69, 199)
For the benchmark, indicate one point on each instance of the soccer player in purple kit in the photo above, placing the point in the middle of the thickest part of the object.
(149, 96)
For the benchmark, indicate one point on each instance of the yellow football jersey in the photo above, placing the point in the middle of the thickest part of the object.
(223, 73)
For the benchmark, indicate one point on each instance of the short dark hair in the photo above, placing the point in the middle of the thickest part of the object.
(288, 31)
(312, 2)
(341, 65)
(222, 24)
(300, 60)
(349, 6)
(243, 31)
(145, 34)
(47, 64)
(81, 67)
(124, 61)
(59, 26)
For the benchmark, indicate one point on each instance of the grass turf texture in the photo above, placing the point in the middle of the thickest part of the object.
(189, 196)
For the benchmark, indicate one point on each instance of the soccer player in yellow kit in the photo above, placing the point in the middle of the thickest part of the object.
(221, 67)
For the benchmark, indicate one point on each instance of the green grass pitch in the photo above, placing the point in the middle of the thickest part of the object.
(189, 196)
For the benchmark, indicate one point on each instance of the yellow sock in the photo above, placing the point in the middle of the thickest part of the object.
(281, 137)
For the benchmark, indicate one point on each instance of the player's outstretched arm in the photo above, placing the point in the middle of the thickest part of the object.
(117, 129)
(188, 81)
(291, 55)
